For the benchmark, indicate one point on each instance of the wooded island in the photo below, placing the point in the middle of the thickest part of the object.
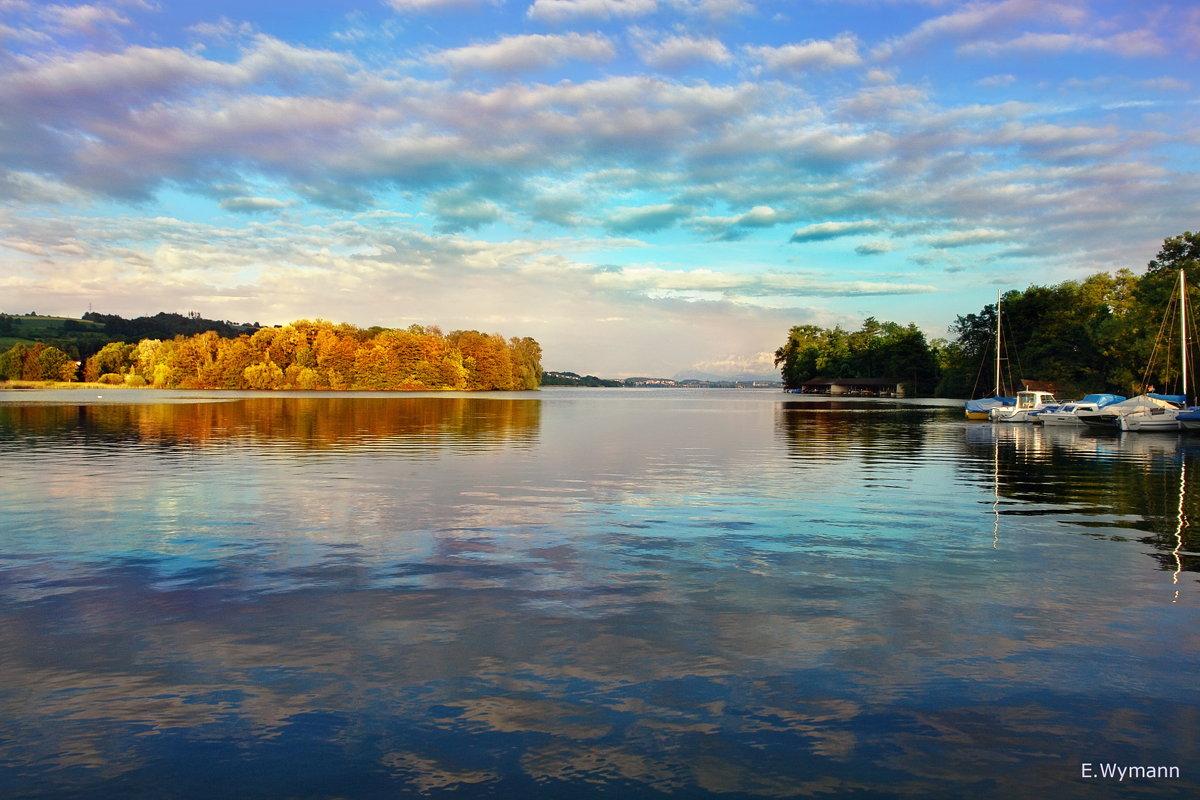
(301, 355)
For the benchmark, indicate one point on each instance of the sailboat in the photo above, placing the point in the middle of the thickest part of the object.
(979, 410)
(1164, 417)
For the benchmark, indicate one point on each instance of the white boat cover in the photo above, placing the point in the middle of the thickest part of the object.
(1139, 403)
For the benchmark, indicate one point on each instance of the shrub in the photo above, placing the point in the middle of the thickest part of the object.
(136, 381)
(111, 378)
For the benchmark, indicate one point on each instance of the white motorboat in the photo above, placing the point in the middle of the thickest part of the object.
(1151, 420)
(1027, 404)
(1068, 412)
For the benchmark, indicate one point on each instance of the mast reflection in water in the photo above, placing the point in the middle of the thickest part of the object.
(586, 593)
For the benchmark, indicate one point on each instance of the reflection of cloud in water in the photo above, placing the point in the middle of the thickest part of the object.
(590, 598)
(600, 764)
(511, 713)
(427, 775)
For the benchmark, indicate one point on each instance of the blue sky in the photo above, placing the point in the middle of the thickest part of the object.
(645, 186)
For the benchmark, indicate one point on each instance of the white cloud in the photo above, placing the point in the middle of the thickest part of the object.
(252, 205)
(462, 209)
(738, 226)
(522, 53)
(1166, 84)
(823, 286)
(269, 57)
(432, 5)
(695, 280)
(1049, 134)
(761, 363)
(968, 238)
(561, 11)
(813, 54)
(126, 76)
(874, 248)
(222, 30)
(675, 52)
(978, 19)
(823, 231)
(769, 284)
(28, 248)
(86, 19)
(1131, 44)
(878, 102)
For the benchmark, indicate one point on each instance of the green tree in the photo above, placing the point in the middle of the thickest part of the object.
(52, 364)
(1177, 252)
(116, 357)
(797, 359)
(12, 362)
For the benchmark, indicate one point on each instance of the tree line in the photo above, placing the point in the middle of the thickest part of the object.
(1107, 332)
(1092, 335)
(83, 338)
(876, 350)
(301, 355)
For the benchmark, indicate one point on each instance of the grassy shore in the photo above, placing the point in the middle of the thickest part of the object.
(4, 385)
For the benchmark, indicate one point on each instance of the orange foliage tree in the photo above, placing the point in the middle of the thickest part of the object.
(323, 355)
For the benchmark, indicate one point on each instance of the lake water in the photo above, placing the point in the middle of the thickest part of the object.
(585, 594)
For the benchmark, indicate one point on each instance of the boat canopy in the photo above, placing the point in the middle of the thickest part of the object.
(1141, 401)
(1102, 400)
(985, 404)
(1178, 399)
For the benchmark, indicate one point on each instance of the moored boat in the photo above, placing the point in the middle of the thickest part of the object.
(1163, 418)
(1166, 418)
(1189, 419)
(1028, 403)
(1068, 412)
(980, 410)
(1110, 416)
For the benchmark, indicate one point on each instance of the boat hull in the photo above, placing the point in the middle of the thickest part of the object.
(1015, 416)
(1150, 422)
(1107, 422)
(1189, 419)
(1064, 419)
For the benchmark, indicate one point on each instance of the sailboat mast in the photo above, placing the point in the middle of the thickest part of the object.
(997, 393)
(1183, 350)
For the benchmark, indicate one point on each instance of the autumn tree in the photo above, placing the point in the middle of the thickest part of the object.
(114, 357)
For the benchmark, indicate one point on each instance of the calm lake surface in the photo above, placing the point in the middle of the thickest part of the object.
(588, 593)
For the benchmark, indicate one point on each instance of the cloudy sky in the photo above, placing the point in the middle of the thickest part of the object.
(645, 186)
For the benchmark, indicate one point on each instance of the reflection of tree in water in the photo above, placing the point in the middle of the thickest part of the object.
(311, 423)
(1143, 483)
(823, 431)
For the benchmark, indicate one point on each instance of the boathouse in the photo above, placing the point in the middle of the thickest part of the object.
(860, 387)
